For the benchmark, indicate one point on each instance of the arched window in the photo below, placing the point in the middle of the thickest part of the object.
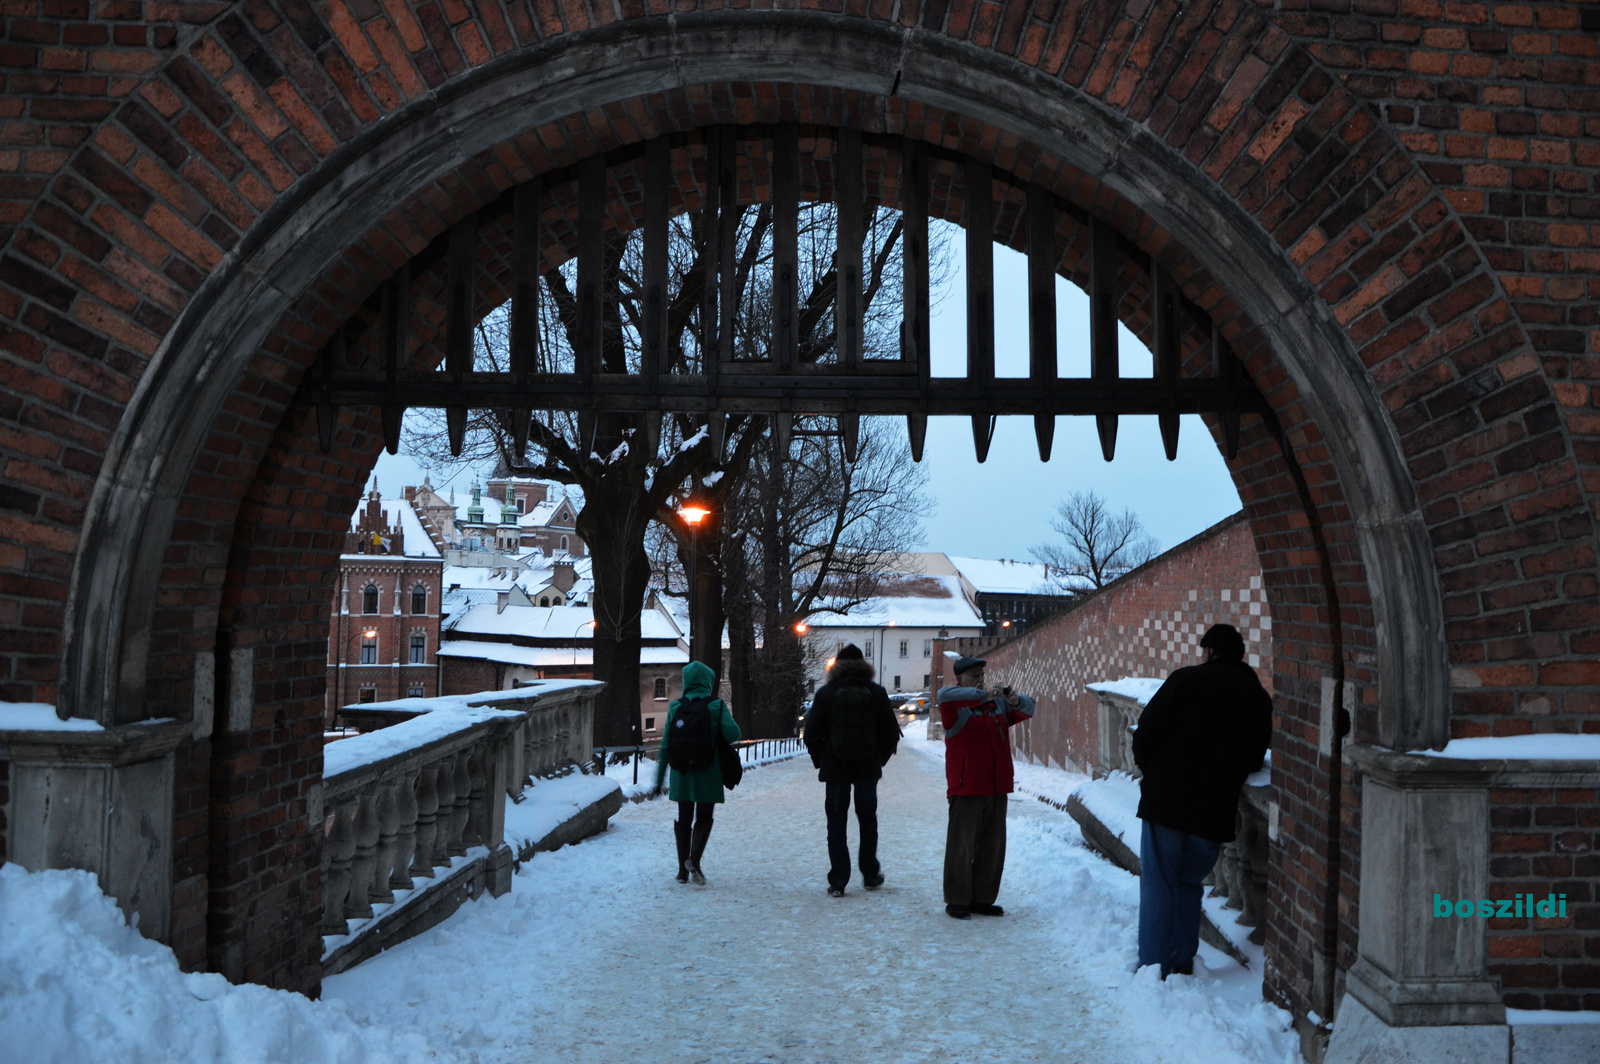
(522, 504)
(369, 599)
(544, 600)
(563, 542)
(419, 599)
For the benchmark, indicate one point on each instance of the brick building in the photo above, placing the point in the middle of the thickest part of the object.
(1386, 209)
(384, 632)
(1146, 623)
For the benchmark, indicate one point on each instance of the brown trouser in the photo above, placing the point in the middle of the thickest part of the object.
(975, 849)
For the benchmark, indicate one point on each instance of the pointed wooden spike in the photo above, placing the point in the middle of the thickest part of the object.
(1169, 434)
(519, 433)
(1107, 426)
(783, 433)
(390, 414)
(1044, 431)
(717, 422)
(326, 412)
(850, 429)
(455, 420)
(982, 435)
(917, 429)
(652, 432)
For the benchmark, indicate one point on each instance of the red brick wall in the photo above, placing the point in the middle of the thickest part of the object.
(394, 675)
(1145, 624)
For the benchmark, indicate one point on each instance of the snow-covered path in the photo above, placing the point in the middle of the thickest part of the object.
(598, 955)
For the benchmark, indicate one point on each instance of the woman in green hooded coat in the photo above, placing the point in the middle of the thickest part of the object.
(697, 793)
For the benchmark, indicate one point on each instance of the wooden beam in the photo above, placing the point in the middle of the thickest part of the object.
(980, 294)
(914, 331)
(1103, 356)
(591, 264)
(847, 256)
(785, 244)
(1042, 259)
(1164, 334)
(1228, 371)
(727, 248)
(393, 343)
(657, 179)
(527, 255)
(711, 275)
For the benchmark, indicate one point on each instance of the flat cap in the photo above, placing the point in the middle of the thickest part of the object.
(963, 664)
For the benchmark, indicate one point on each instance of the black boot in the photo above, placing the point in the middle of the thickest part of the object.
(681, 831)
(697, 847)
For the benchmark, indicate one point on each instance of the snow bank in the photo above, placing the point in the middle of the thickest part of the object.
(77, 984)
(1139, 688)
(1114, 801)
(551, 803)
(38, 716)
(1547, 747)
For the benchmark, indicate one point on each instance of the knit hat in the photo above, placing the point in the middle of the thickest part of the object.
(849, 652)
(1225, 641)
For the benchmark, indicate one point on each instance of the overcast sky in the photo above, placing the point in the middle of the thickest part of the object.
(1002, 508)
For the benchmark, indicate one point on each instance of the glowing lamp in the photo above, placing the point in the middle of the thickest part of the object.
(801, 628)
(693, 515)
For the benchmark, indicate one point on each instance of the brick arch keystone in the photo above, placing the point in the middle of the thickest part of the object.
(313, 221)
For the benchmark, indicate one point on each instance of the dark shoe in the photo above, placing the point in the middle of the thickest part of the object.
(987, 910)
(1186, 968)
(958, 912)
(681, 832)
(874, 883)
(835, 892)
(697, 847)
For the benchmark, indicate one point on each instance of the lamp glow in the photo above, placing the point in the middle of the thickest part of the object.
(693, 515)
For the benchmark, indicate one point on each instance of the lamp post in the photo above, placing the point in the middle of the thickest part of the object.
(693, 514)
(589, 625)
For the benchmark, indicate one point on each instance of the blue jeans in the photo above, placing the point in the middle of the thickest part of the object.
(1171, 865)
(837, 805)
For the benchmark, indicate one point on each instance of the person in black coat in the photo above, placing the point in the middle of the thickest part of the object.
(851, 733)
(1203, 732)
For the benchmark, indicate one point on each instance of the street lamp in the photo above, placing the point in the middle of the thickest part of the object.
(591, 626)
(693, 514)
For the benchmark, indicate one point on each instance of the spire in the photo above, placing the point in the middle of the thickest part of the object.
(475, 511)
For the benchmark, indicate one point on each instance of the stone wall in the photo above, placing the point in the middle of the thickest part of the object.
(1145, 624)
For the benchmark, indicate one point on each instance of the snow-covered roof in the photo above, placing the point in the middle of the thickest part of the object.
(570, 623)
(1001, 576)
(924, 602)
(399, 511)
(549, 657)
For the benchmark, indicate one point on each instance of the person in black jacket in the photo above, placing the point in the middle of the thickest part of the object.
(1202, 733)
(851, 733)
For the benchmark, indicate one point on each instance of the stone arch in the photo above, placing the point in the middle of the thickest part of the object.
(1203, 126)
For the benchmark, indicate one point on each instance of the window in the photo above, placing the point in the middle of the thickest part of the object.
(369, 694)
(369, 599)
(925, 679)
(927, 648)
(415, 691)
(563, 515)
(563, 542)
(869, 650)
(544, 600)
(369, 650)
(661, 687)
(419, 649)
(419, 599)
(650, 722)
(905, 648)
(522, 504)
(897, 683)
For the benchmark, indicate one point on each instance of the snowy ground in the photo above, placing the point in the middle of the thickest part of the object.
(598, 955)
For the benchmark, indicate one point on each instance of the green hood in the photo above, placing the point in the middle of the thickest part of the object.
(697, 680)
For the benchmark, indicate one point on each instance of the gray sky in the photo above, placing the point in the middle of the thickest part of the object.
(1002, 508)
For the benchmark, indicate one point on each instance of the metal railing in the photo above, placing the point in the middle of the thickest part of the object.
(751, 752)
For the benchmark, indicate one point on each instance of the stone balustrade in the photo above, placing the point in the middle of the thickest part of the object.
(414, 808)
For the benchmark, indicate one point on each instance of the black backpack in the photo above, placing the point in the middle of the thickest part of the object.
(853, 731)
(692, 737)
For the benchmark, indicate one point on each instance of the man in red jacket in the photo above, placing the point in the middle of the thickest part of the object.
(978, 772)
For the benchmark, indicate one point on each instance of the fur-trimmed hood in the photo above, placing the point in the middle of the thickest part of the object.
(851, 672)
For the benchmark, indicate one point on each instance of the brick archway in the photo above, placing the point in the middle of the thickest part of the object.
(208, 235)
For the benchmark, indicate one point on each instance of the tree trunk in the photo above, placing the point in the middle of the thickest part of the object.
(612, 524)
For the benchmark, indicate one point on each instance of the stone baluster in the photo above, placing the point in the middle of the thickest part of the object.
(427, 822)
(463, 803)
(542, 765)
(358, 905)
(388, 811)
(405, 847)
(477, 796)
(340, 848)
(1244, 881)
(447, 807)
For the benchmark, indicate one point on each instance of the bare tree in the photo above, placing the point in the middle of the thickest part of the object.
(1099, 544)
